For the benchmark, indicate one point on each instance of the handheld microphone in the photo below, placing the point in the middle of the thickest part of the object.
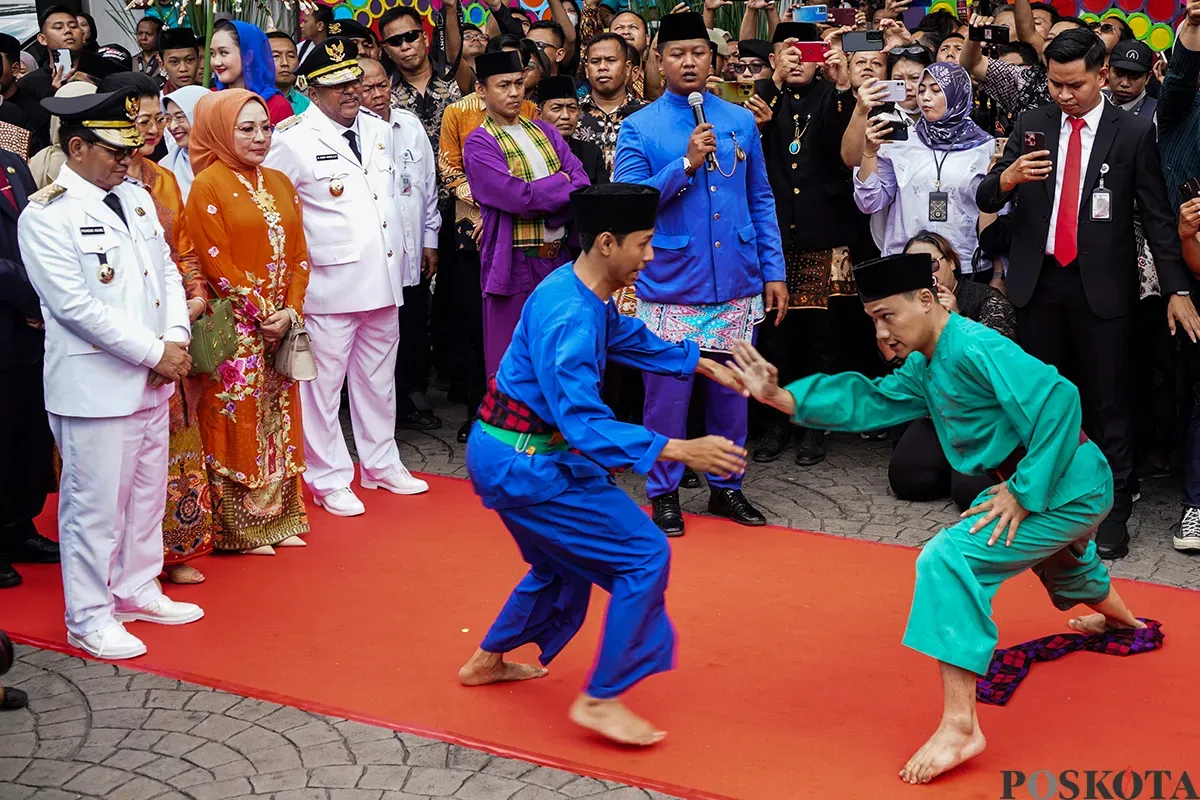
(696, 101)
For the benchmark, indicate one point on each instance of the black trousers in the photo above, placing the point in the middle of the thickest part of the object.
(1154, 379)
(412, 362)
(468, 373)
(26, 450)
(800, 346)
(920, 472)
(1058, 327)
(443, 316)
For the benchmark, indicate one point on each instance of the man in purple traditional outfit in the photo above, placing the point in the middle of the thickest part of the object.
(522, 174)
(717, 254)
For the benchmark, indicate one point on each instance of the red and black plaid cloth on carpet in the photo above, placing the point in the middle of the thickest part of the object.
(1010, 665)
(510, 414)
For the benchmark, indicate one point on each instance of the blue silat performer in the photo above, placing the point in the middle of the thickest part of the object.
(717, 250)
(996, 410)
(541, 455)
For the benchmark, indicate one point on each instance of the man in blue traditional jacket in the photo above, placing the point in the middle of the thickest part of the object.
(541, 454)
(718, 251)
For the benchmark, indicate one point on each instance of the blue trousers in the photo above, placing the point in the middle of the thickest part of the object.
(591, 534)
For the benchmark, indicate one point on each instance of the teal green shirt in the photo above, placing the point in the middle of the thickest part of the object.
(300, 102)
(986, 397)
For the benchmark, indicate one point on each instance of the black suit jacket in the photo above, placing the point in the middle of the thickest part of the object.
(19, 343)
(592, 158)
(1108, 259)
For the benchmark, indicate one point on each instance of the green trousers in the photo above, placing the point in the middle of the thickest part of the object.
(958, 574)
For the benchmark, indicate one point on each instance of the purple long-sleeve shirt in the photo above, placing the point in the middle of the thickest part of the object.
(502, 197)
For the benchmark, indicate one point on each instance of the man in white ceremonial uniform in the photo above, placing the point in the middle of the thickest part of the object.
(416, 175)
(116, 343)
(342, 164)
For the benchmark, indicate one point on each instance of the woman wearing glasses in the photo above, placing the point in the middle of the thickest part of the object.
(246, 226)
(188, 522)
(927, 181)
(180, 106)
(240, 57)
(919, 470)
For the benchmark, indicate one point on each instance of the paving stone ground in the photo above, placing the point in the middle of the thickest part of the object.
(94, 730)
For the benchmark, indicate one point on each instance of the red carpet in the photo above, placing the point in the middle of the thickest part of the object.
(792, 681)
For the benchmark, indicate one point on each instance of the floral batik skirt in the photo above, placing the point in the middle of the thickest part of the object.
(188, 528)
(251, 518)
(816, 276)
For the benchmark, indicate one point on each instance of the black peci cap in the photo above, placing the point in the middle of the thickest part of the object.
(615, 207)
(884, 277)
(682, 27)
(557, 87)
(104, 61)
(800, 31)
(500, 62)
(177, 39)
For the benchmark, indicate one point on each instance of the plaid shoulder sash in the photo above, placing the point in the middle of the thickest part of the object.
(526, 232)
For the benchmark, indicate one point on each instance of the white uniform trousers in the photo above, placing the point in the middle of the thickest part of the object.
(359, 349)
(111, 502)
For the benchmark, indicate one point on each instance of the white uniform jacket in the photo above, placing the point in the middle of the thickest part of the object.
(416, 190)
(111, 295)
(351, 218)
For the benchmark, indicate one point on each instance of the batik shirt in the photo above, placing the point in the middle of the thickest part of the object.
(428, 107)
(601, 129)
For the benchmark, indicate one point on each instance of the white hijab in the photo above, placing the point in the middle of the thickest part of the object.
(177, 159)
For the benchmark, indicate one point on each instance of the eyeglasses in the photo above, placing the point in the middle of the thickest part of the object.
(910, 50)
(118, 153)
(176, 119)
(251, 131)
(403, 38)
(937, 262)
(749, 66)
(144, 124)
(475, 37)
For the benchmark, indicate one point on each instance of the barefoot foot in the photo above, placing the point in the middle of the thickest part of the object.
(1098, 623)
(611, 719)
(485, 667)
(183, 574)
(949, 746)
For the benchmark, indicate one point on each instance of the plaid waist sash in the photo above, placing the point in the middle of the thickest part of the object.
(510, 414)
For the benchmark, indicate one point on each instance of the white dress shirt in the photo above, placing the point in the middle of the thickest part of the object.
(416, 190)
(1087, 135)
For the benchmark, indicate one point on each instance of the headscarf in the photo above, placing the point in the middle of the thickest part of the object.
(955, 130)
(178, 160)
(258, 65)
(211, 139)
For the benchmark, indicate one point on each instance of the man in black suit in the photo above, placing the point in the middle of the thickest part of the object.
(1073, 270)
(26, 444)
(558, 104)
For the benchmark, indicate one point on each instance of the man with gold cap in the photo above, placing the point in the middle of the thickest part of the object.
(521, 174)
(343, 164)
(541, 452)
(997, 411)
(117, 333)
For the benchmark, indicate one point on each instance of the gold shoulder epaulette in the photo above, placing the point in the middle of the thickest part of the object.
(287, 123)
(48, 194)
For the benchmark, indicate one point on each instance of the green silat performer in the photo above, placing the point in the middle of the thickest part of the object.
(999, 411)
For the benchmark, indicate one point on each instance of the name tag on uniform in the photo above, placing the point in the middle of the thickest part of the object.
(1101, 205)
(405, 184)
(96, 231)
(327, 157)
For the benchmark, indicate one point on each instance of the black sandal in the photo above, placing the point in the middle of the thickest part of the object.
(13, 699)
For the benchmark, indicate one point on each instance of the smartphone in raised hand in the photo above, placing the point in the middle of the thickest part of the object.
(1033, 141)
(62, 60)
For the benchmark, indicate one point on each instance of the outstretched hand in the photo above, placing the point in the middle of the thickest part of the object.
(760, 377)
(712, 455)
(718, 372)
(1002, 506)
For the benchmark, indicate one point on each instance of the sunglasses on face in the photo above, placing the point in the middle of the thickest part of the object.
(750, 67)
(118, 153)
(402, 38)
(1103, 27)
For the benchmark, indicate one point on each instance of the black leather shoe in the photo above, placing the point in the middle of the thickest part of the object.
(772, 444)
(32, 549)
(811, 448)
(9, 577)
(1112, 539)
(6, 653)
(667, 514)
(690, 479)
(13, 699)
(418, 421)
(464, 432)
(733, 504)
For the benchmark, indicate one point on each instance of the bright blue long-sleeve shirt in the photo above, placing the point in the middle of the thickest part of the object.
(555, 365)
(717, 238)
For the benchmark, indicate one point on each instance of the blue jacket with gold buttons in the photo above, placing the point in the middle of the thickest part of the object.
(717, 238)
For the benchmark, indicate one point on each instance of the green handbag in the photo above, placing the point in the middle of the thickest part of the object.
(214, 338)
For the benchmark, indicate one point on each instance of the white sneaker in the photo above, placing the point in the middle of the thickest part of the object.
(399, 482)
(342, 503)
(164, 611)
(1188, 537)
(112, 643)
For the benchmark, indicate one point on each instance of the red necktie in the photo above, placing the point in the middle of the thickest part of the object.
(1066, 230)
(7, 190)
